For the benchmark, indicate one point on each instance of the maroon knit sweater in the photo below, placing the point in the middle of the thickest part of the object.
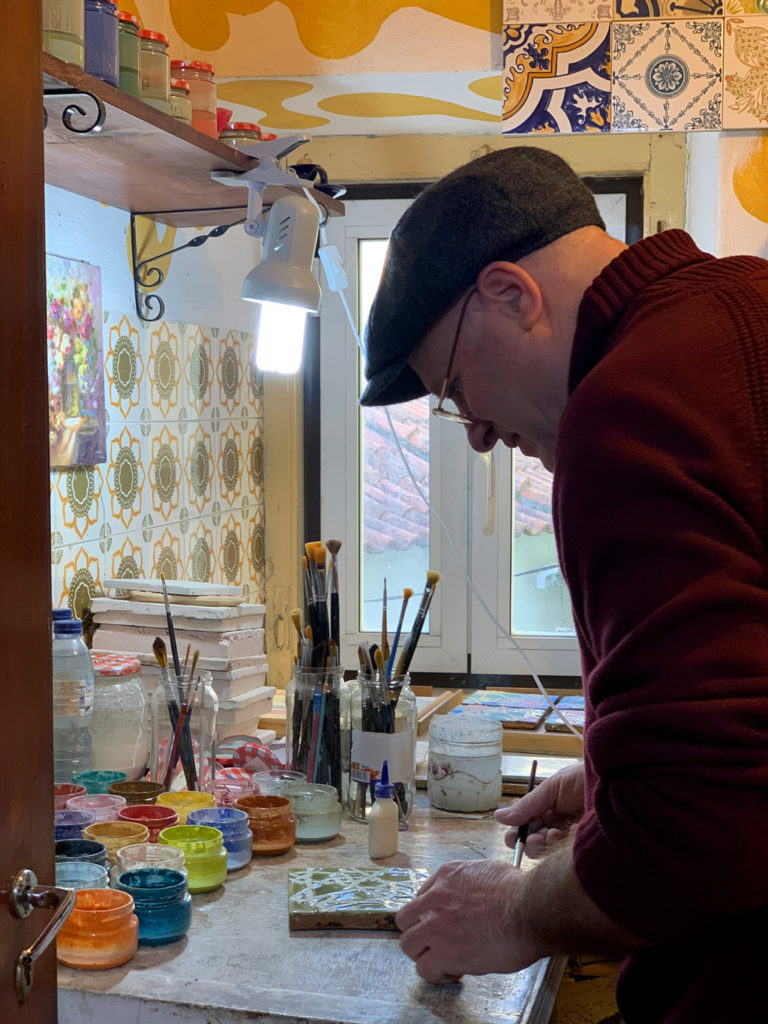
(660, 488)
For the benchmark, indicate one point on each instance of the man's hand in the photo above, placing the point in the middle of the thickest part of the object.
(465, 920)
(550, 810)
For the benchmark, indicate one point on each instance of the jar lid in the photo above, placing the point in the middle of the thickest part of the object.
(179, 83)
(196, 65)
(466, 728)
(127, 16)
(241, 126)
(145, 33)
(115, 665)
(266, 136)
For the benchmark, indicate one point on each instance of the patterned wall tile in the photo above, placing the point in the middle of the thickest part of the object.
(169, 555)
(745, 100)
(200, 467)
(253, 584)
(667, 76)
(126, 476)
(254, 381)
(164, 369)
(77, 492)
(230, 371)
(231, 465)
(541, 12)
(201, 561)
(165, 473)
(126, 559)
(556, 78)
(80, 579)
(124, 366)
(232, 555)
(199, 369)
(644, 10)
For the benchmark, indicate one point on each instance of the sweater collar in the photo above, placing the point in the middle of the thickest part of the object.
(617, 286)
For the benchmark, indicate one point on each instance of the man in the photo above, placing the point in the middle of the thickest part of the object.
(640, 377)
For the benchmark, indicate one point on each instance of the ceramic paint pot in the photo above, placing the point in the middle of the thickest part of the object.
(62, 791)
(147, 855)
(136, 792)
(183, 801)
(98, 781)
(104, 806)
(70, 824)
(81, 849)
(272, 823)
(154, 817)
(233, 825)
(115, 834)
(101, 931)
(204, 855)
(80, 874)
(160, 901)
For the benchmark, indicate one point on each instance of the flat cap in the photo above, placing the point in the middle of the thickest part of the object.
(502, 206)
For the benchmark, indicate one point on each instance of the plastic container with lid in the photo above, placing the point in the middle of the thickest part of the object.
(202, 92)
(129, 46)
(155, 70)
(240, 133)
(161, 902)
(64, 29)
(233, 825)
(181, 104)
(464, 763)
(102, 50)
(72, 698)
(205, 857)
(101, 931)
(317, 811)
(120, 723)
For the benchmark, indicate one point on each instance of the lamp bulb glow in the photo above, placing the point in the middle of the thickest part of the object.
(280, 337)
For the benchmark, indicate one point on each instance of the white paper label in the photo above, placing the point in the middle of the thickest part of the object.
(371, 749)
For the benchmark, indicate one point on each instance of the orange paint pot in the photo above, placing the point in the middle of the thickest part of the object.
(102, 931)
(272, 823)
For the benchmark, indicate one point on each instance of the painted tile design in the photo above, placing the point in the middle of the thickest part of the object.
(123, 366)
(667, 76)
(745, 103)
(541, 12)
(366, 897)
(646, 9)
(198, 370)
(229, 371)
(556, 78)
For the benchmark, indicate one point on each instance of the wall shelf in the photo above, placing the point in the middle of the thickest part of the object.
(142, 160)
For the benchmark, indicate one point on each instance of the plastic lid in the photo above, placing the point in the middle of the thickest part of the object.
(59, 614)
(145, 33)
(196, 65)
(115, 665)
(127, 16)
(266, 136)
(384, 787)
(68, 627)
(179, 83)
(241, 126)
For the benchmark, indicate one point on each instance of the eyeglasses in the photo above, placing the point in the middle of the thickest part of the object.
(449, 414)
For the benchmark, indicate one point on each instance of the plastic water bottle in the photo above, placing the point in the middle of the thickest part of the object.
(72, 699)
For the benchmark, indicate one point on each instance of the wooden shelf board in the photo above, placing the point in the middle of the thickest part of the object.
(143, 160)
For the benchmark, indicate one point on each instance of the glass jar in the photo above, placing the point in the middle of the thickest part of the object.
(272, 823)
(63, 791)
(129, 49)
(182, 744)
(204, 855)
(147, 855)
(240, 133)
(161, 902)
(80, 849)
(120, 723)
(97, 781)
(116, 834)
(70, 824)
(227, 790)
(155, 817)
(181, 105)
(202, 93)
(101, 931)
(273, 781)
(102, 52)
(139, 791)
(233, 825)
(317, 811)
(104, 806)
(318, 697)
(64, 29)
(382, 725)
(80, 874)
(183, 802)
(464, 763)
(155, 70)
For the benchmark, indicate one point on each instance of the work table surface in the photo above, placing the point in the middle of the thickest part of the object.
(239, 962)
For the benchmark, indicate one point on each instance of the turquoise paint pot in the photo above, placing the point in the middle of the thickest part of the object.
(81, 849)
(80, 874)
(160, 901)
(70, 824)
(98, 781)
(233, 825)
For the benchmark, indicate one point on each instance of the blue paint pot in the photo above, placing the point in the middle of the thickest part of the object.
(160, 901)
(81, 849)
(70, 824)
(233, 825)
(102, 49)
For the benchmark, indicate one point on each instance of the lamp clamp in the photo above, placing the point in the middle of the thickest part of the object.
(268, 172)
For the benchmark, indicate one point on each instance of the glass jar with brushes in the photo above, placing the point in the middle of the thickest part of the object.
(317, 725)
(382, 726)
(183, 731)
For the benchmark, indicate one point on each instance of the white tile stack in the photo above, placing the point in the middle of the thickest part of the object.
(230, 641)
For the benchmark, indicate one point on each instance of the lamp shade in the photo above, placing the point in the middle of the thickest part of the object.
(285, 272)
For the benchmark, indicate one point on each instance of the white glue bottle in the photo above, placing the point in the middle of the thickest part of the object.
(383, 823)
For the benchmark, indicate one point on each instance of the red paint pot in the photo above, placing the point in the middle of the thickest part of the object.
(63, 791)
(154, 816)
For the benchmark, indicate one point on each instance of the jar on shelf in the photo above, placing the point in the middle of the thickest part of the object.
(181, 104)
(183, 801)
(80, 874)
(63, 791)
(155, 817)
(155, 70)
(129, 49)
(161, 902)
(464, 763)
(202, 93)
(102, 50)
(138, 791)
(273, 781)
(147, 855)
(70, 824)
(120, 723)
(240, 133)
(317, 725)
(81, 849)
(382, 725)
(104, 806)
(317, 811)
(64, 29)
(205, 857)
(182, 749)
(116, 834)
(233, 825)
(272, 822)
(97, 781)
(101, 931)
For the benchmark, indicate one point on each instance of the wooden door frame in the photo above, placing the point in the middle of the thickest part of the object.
(26, 769)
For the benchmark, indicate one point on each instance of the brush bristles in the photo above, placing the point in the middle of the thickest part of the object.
(433, 578)
(333, 546)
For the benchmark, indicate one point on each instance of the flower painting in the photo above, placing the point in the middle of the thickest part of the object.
(77, 424)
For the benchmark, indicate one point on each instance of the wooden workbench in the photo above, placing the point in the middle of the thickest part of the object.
(240, 963)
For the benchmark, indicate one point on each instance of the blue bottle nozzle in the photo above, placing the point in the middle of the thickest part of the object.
(384, 788)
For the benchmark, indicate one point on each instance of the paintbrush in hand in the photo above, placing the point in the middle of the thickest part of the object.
(522, 832)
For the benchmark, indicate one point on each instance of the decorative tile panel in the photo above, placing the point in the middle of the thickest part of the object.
(667, 76)
(647, 9)
(556, 78)
(541, 12)
(199, 364)
(124, 366)
(745, 100)
(164, 370)
(230, 371)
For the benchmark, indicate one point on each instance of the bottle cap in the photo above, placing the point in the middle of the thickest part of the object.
(384, 788)
(68, 627)
(59, 614)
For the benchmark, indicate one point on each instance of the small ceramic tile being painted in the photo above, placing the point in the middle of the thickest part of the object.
(556, 78)
(667, 76)
(745, 99)
(357, 898)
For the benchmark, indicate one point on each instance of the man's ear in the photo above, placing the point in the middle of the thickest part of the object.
(509, 284)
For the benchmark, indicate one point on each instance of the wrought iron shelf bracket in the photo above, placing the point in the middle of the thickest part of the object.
(94, 120)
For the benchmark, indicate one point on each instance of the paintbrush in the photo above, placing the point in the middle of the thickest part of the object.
(522, 832)
(409, 649)
(384, 641)
(171, 631)
(407, 595)
(334, 546)
(298, 624)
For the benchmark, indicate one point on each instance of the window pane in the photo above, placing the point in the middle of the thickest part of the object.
(394, 534)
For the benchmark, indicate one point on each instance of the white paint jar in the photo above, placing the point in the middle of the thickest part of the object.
(464, 763)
